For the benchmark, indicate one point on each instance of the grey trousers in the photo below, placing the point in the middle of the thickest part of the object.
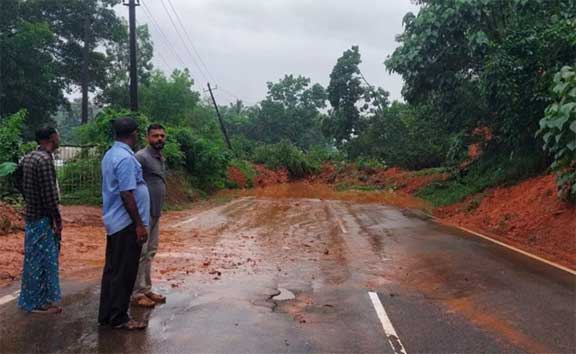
(149, 249)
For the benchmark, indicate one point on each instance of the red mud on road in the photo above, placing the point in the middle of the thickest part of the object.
(528, 216)
(83, 244)
(326, 192)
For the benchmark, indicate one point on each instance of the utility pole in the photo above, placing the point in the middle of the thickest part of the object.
(133, 64)
(220, 118)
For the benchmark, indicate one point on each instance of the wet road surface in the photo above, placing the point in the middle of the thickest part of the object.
(295, 276)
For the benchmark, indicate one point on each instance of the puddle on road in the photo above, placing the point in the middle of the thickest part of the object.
(284, 295)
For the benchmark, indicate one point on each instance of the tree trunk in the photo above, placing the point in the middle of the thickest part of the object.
(84, 80)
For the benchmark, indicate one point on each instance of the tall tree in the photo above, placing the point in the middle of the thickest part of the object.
(350, 96)
(83, 28)
(29, 76)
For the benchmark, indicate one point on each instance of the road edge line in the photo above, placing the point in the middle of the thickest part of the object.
(503, 244)
(9, 298)
(528, 254)
(387, 326)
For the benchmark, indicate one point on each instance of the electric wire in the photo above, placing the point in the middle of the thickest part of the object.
(184, 41)
(171, 47)
(159, 29)
(187, 35)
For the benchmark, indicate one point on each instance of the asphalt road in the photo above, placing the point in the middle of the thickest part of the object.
(312, 276)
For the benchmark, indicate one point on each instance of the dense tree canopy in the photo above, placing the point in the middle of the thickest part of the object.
(486, 63)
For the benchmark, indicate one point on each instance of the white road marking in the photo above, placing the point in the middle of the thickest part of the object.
(389, 330)
(6, 299)
(341, 224)
(192, 219)
(528, 254)
(503, 244)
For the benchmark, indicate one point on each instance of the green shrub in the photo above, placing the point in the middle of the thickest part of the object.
(369, 164)
(206, 161)
(175, 158)
(99, 130)
(10, 143)
(243, 147)
(320, 154)
(494, 169)
(558, 130)
(288, 156)
(11, 136)
(80, 181)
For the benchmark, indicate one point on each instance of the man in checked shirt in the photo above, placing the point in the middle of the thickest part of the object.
(36, 176)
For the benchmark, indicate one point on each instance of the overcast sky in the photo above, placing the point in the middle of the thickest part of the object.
(246, 43)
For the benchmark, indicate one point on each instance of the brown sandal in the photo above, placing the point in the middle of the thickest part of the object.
(131, 325)
(143, 301)
(157, 298)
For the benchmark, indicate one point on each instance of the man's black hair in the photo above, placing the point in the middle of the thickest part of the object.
(155, 126)
(124, 126)
(45, 133)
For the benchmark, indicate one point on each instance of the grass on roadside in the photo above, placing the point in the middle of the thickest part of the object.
(491, 171)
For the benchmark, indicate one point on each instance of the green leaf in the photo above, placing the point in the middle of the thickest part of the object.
(560, 121)
(573, 126)
(566, 74)
(7, 168)
(559, 89)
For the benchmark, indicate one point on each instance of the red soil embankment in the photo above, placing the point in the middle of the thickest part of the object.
(267, 177)
(528, 215)
(11, 220)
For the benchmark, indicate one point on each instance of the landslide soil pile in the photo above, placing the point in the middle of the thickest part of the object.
(389, 178)
(528, 215)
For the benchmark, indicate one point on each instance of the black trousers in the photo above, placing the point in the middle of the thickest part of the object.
(120, 271)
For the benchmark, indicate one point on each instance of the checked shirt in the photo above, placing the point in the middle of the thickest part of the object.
(38, 184)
